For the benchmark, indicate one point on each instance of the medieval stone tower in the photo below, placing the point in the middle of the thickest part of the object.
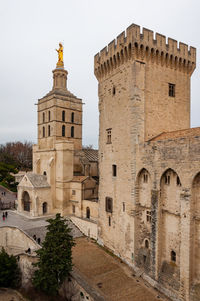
(59, 135)
(47, 189)
(144, 90)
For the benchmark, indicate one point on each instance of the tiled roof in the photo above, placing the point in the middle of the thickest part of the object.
(91, 154)
(177, 134)
(37, 180)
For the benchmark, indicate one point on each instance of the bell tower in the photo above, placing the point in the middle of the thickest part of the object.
(59, 134)
(59, 112)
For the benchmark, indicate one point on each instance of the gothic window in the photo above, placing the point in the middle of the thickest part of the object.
(43, 131)
(72, 131)
(167, 179)
(73, 209)
(109, 221)
(173, 256)
(43, 117)
(148, 216)
(44, 173)
(113, 91)
(63, 130)
(88, 212)
(49, 115)
(49, 130)
(72, 117)
(109, 135)
(114, 170)
(109, 204)
(171, 90)
(63, 115)
(124, 207)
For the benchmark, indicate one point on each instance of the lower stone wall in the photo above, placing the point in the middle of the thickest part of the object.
(87, 227)
(74, 288)
(15, 241)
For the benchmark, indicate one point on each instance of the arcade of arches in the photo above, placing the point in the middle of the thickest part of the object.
(158, 222)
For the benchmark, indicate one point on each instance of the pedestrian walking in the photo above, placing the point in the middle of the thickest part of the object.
(3, 216)
(6, 214)
(34, 237)
(38, 240)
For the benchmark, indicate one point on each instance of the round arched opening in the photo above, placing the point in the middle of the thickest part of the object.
(26, 201)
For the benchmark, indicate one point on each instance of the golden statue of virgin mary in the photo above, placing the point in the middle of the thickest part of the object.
(60, 62)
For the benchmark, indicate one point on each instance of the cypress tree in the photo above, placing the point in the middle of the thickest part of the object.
(55, 257)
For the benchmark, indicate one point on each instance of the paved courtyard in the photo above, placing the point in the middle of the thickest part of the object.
(106, 276)
(36, 226)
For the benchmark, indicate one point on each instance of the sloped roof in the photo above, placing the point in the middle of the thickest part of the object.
(177, 134)
(37, 180)
(91, 154)
(79, 179)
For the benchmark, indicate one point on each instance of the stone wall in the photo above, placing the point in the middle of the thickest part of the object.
(15, 241)
(86, 226)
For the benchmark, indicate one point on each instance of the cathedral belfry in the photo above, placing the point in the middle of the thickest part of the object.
(59, 112)
(59, 136)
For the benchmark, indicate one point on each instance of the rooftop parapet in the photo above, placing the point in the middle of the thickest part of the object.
(134, 44)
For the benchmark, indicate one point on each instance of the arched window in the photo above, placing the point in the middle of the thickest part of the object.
(43, 117)
(88, 212)
(72, 117)
(63, 115)
(49, 130)
(26, 201)
(44, 207)
(63, 130)
(44, 173)
(49, 115)
(43, 131)
(173, 256)
(72, 131)
(146, 243)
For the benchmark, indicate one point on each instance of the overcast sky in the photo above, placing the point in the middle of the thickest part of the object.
(32, 29)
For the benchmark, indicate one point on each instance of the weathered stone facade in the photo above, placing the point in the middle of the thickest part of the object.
(149, 181)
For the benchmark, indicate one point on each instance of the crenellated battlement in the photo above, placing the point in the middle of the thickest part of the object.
(132, 44)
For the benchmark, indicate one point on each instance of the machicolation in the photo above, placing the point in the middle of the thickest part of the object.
(133, 45)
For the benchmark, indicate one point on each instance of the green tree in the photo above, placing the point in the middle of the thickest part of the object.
(9, 270)
(55, 257)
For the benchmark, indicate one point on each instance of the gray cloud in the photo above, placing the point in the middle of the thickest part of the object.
(31, 30)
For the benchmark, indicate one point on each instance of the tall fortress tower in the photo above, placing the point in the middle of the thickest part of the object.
(144, 90)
